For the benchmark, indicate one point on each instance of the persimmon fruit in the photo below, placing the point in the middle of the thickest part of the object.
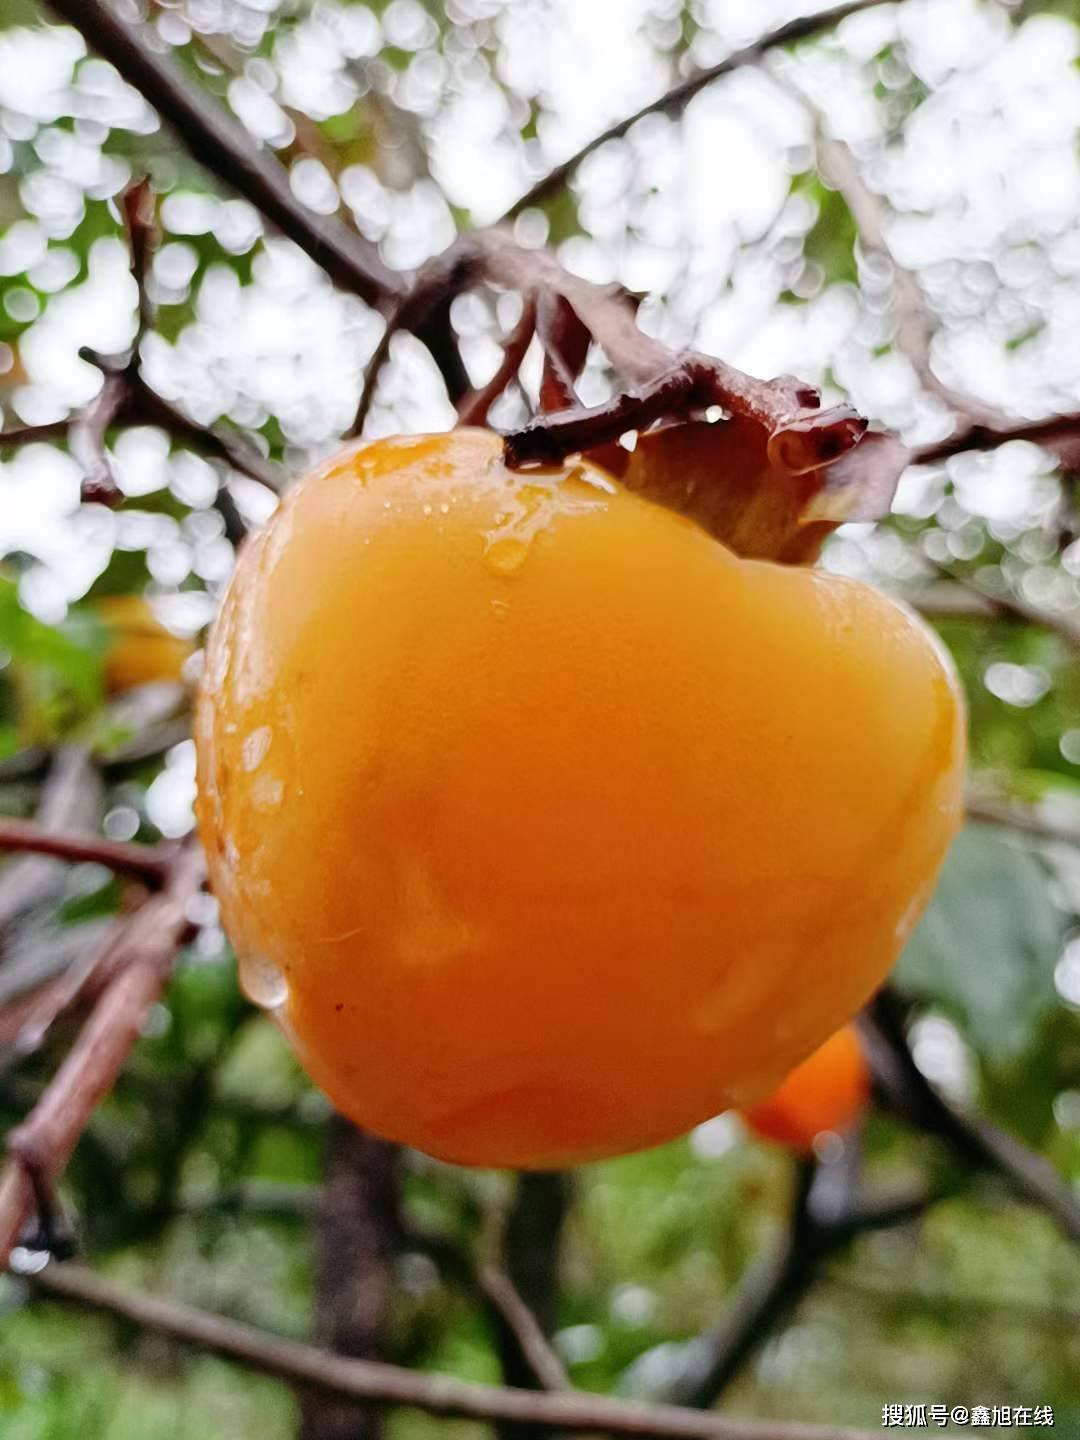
(141, 649)
(827, 1092)
(545, 825)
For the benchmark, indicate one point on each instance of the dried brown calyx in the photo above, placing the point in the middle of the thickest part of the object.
(758, 463)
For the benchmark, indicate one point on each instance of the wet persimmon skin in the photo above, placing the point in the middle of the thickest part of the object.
(546, 825)
(827, 1092)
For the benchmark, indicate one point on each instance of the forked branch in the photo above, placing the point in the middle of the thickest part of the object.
(144, 948)
(366, 1380)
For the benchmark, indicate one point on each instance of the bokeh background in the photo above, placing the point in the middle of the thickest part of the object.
(736, 220)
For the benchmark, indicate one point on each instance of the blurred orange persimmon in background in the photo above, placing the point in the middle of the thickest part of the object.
(141, 649)
(826, 1092)
(545, 825)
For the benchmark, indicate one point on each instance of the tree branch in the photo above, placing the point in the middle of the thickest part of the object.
(677, 98)
(826, 1214)
(800, 436)
(149, 862)
(357, 1231)
(145, 948)
(71, 800)
(524, 1294)
(473, 408)
(369, 1381)
(1059, 434)
(1026, 821)
(34, 434)
(907, 1091)
(914, 326)
(770, 1289)
(1013, 607)
(222, 144)
(948, 600)
(529, 1340)
(214, 440)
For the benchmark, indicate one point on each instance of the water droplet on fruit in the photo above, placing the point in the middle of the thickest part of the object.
(253, 751)
(262, 982)
(500, 609)
(267, 793)
(427, 509)
(506, 557)
(444, 508)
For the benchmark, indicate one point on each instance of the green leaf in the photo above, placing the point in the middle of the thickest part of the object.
(126, 573)
(986, 948)
(56, 669)
(830, 241)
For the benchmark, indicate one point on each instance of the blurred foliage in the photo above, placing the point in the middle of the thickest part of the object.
(197, 1175)
(988, 945)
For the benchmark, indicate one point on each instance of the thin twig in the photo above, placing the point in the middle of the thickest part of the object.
(222, 144)
(914, 325)
(146, 943)
(976, 425)
(72, 800)
(948, 600)
(1011, 606)
(58, 996)
(768, 1292)
(86, 439)
(148, 862)
(1018, 1311)
(473, 408)
(34, 434)
(425, 310)
(565, 342)
(1053, 432)
(677, 98)
(212, 440)
(522, 1285)
(366, 1380)
(1026, 821)
(827, 1213)
(137, 203)
(536, 1350)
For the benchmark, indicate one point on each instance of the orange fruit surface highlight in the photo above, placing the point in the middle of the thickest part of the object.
(826, 1092)
(545, 825)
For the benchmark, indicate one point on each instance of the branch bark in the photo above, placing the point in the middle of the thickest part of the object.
(222, 144)
(357, 1230)
(907, 1091)
(826, 1215)
(1027, 822)
(473, 408)
(526, 1337)
(374, 1383)
(768, 1292)
(525, 1298)
(148, 862)
(678, 97)
(71, 800)
(41, 1146)
(1059, 434)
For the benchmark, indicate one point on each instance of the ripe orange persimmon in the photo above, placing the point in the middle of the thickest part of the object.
(547, 826)
(826, 1092)
(140, 649)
